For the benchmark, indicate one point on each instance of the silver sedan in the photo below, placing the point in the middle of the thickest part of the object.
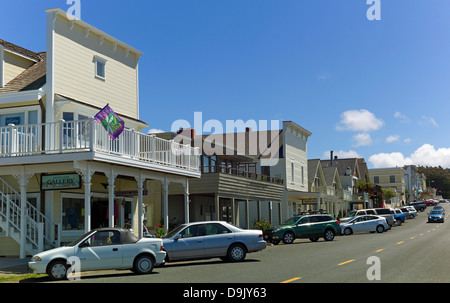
(212, 239)
(367, 223)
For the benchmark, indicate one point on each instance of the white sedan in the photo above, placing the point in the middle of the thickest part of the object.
(105, 248)
(365, 223)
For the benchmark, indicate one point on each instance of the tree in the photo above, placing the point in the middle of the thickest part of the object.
(388, 193)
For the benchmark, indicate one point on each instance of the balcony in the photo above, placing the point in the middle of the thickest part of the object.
(240, 173)
(88, 140)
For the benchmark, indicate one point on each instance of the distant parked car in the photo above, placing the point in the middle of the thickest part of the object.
(436, 216)
(212, 239)
(367, 223)
(104, 248)
(383, 212)
(409, 211)
(304, 225)
(399, 216)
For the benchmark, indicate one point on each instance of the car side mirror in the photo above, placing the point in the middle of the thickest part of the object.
(84, 244)
(177, 237)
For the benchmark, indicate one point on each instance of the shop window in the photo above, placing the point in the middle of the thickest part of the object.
(73, 214)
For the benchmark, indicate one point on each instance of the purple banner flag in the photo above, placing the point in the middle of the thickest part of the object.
(111, 122)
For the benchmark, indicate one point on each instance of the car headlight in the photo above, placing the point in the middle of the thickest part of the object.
(36, 259)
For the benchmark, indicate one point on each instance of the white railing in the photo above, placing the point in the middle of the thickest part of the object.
(89, 135)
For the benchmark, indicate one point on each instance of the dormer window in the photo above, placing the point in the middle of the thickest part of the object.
(100, 68)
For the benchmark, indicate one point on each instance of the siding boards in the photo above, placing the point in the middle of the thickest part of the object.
(74, 68)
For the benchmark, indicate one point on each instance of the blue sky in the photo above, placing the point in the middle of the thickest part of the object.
(375, 89)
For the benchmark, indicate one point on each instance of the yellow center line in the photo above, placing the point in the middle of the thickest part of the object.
(346, 262)
(400, 242)
(291, 280)
(380, 250)
(412, 238)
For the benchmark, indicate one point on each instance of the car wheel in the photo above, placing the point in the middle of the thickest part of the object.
(236, 253)
(57, 270)
(288, 238)
(315, 239)
(399, 222)
(329, 235)
(380, 228)
(143, 264)
(411, 216)
(348, 231)
(275, 242)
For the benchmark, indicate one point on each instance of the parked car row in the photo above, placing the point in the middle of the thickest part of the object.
(116, 248)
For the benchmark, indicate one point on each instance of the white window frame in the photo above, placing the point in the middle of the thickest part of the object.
(25, 110)
(98, 60)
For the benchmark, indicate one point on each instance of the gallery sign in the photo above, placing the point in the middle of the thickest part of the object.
(60, 181)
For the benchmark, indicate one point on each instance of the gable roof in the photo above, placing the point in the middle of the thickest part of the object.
(342, 166)
(18, 49)
(33, 77)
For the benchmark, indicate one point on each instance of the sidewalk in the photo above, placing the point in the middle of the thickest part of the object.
(14, 267)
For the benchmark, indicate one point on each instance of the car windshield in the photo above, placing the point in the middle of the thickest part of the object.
(173, 232)
(436, 212)
(291, 221)
(352, 213)
(351, 220)
(80, 238)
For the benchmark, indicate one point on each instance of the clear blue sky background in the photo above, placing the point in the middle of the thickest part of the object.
(318, 63)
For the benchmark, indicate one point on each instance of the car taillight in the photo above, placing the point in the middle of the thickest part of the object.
(260, 236)
(161, 248)
(337, 221)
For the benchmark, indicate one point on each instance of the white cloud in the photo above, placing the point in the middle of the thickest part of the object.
(341, 154)
(389, 160)
(359, 120)
(426, 155)
(392, 138)
(401, 117)
(407, 140)
(429, 120)
(324, 76)
(362, 139)
(155, 131)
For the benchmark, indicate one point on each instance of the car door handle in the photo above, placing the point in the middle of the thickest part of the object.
(115, 249)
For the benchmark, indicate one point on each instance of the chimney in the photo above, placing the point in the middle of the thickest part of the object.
(248, 129)
(331, 157)
(187, 132)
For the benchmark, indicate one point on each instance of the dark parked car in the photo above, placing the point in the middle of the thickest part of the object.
(306, 225)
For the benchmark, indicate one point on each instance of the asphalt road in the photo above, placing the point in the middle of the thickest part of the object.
(416, 251)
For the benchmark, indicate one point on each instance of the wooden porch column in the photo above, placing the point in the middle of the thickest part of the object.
(186, 201)
(166, 204)
(140, 186)
(217, 202)
(247, 215)
(23, 178)
(86, 174)
(111, 178)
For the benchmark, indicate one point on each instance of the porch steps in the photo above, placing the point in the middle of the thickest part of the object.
(11, 216)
